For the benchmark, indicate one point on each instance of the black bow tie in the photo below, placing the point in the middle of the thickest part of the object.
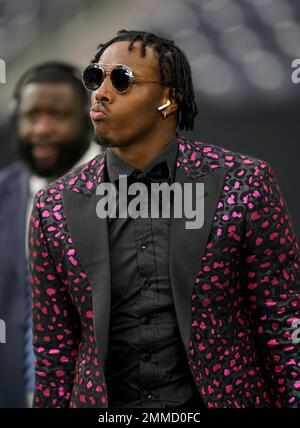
(158, 174)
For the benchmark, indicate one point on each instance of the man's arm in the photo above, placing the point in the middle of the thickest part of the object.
(272, 285)
(56, 328)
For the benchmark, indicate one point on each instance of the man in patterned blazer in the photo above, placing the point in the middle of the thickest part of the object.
(144, 312)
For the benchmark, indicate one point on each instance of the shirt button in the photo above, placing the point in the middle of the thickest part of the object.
(148, 395)
(143, 246)
(146, 320)
(147, 283)
(146, 358)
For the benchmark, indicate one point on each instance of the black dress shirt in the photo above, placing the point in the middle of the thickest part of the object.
(147, 365)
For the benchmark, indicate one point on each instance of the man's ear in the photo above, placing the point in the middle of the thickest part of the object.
(169, 99)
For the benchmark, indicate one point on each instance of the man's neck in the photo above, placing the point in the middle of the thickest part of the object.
(141, 153)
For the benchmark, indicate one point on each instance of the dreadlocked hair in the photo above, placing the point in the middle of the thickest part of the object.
(175, 70)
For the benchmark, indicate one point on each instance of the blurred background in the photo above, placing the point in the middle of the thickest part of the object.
(240, 52)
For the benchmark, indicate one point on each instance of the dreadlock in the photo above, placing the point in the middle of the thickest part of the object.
(175, 70)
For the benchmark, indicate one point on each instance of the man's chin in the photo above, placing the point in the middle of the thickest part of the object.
(101, 141)
(106, 142)
(53, 167)
(43, 171)
(50, 170)
(45, 164)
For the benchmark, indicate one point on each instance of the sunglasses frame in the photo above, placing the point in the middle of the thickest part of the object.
(107, 72)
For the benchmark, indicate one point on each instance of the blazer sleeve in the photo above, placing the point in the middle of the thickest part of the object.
(56, 327)
(272, 285)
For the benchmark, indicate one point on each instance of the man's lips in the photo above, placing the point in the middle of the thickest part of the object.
(97, 112)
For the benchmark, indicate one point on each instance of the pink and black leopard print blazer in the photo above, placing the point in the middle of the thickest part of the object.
(235, 283)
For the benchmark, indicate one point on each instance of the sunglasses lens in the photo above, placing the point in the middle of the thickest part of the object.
(92, 77)
(121, 78)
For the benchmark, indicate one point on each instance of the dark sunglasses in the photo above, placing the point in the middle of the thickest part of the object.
(121, 77)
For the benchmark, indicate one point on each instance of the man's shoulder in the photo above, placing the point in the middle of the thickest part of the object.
(12, 173)
(210, 156)
(77, 179)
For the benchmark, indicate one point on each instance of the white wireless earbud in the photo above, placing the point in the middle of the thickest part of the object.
(164, 105)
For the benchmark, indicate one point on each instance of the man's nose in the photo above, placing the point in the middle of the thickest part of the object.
(104, 92)
(43, 126)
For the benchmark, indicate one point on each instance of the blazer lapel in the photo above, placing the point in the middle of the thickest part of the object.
(89, 234)
(187, 247)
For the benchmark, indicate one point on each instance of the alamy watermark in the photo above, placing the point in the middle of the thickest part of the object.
(188, 201)
(296, 332)
(295, 76)
(2, 71)
(2, 331)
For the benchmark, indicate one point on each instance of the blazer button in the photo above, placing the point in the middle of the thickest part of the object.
(148, 395)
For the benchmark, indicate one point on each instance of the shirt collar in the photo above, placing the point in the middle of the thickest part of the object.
(116, 166)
